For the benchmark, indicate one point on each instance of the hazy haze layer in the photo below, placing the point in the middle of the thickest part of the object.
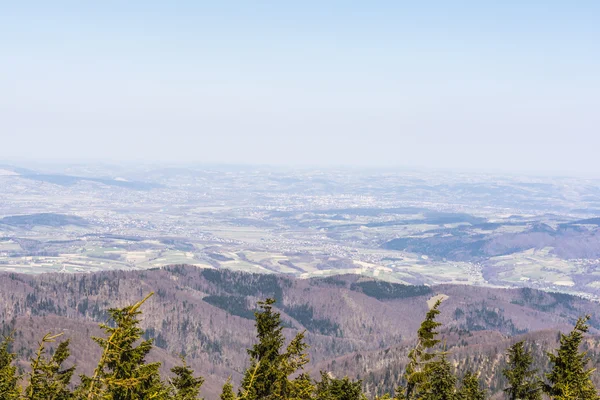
(511, 86)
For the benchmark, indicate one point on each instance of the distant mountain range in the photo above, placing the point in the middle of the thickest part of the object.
(69, 180)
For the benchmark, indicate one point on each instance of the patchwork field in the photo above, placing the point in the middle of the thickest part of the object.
(416, 228)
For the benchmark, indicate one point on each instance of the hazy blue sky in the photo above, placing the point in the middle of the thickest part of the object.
(506, 85)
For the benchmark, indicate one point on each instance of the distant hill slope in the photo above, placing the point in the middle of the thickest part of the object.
(206, 314)
(43, 219)
(464, 243)
(68, 180)
(484, 352)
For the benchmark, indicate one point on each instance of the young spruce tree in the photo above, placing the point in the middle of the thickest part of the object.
(302, 388)
(47, 379)
(122, 372)
(338, 389)
(470, 388)
(569, 378)
(9, 390)
(440, 382)
(421, 358)
(227, 393)
(522, 381)
(184, 386)
(272, 365)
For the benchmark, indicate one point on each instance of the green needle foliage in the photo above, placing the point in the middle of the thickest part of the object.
(338, 389)
(47, 379)
(227, 393)
(268, 375)
(470, 388)
(429, 375)
(184, 385)
(522, 380)
(421, 357)
(9, 378)
(569, 378)
(440, 382)
(122, 373)
(302, 388)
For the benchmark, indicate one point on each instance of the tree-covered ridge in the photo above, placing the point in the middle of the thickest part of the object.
(234, 305)
(244, 285)
(387, 290)
(277, 370)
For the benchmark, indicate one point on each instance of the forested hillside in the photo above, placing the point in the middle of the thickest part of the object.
(360, 328)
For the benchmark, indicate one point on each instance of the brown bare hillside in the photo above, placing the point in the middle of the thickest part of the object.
(484, 352)
(207, 315)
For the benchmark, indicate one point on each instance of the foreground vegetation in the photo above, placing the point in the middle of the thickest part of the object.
(276, 371)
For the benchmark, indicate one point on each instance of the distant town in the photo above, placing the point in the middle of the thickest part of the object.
(409, 226)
